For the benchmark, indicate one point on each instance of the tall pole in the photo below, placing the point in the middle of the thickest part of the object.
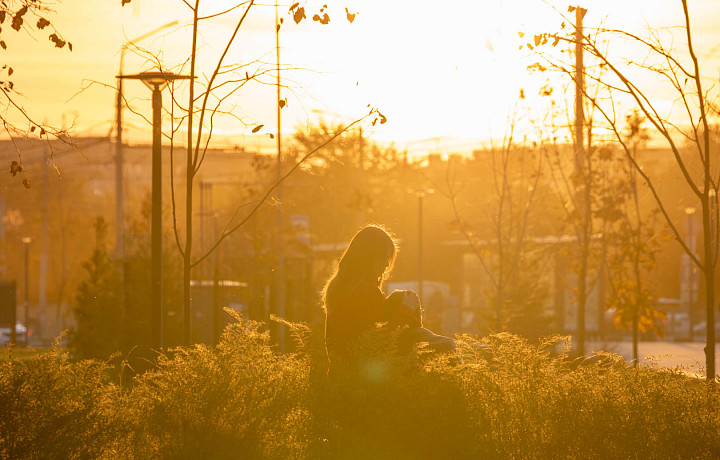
(579, 170)
(711, 243)
(119, 224)
(420, 193)
(280, 269)
(156, 236)
(420, 247)
(27, 240)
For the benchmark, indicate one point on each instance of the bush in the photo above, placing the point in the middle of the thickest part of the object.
(242, 399)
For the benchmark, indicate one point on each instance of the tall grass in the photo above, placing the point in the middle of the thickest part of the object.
(242, 399)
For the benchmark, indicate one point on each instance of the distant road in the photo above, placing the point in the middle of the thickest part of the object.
(688, 355)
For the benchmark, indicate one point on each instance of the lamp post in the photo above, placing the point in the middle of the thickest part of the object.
(420, 193)
(156, 81)
(690, 211)
(119, 226)
(26, 241)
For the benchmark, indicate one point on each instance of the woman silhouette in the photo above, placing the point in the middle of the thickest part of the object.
(352, 297)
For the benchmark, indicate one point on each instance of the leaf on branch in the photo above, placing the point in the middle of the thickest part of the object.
(350, 16)
(70, 46)
(2, 17)
(15, 168)
(556, 41)
(322, 20)
(3, 45)
(522, 93)
(537, 39)
(18, 18)
(571, 9)
(123, 2)
(521, 34)
(257, 128)
(32, 129)
(299, 15)
(282, 103)
(10, 71)
(59, 42)
(272, 136)
(294, 5)
(42, 23)
(26, 182)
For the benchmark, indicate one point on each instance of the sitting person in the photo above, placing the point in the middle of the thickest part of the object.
(354, 302)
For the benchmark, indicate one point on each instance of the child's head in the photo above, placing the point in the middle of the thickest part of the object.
(406, 309)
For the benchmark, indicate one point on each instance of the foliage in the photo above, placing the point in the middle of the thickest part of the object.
(241, 399)
(99, 309)
(27, 16)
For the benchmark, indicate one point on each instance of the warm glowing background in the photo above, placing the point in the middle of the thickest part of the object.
(447, 71)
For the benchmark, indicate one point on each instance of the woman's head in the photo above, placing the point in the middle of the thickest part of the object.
(369, 256)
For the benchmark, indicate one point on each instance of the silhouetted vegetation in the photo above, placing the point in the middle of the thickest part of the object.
(242, 399)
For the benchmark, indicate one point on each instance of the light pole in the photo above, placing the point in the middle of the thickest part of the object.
(690, 211)
(156, 81)
(26, 241)
(119, 225)
(420, 193)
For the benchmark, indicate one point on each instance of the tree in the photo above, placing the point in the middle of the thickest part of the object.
(207, 100)
(503, 238)
(99, 309)
(625, 79)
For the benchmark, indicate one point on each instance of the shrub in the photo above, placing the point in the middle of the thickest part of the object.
(243, 399)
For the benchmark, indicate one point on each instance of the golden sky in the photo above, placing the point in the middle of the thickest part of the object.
(448, 71)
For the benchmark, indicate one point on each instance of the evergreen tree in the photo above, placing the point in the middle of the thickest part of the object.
(98, 310)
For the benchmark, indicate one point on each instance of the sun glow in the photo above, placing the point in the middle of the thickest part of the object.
(436, 70)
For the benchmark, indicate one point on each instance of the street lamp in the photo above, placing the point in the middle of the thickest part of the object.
(689, 211)
(119, 227)
(156, 81)
(420, 193)
(26, 241)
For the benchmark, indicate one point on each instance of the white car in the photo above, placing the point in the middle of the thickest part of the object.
(700, 330)
(5, 334)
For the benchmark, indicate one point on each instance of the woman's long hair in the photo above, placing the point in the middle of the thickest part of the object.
(369, 257)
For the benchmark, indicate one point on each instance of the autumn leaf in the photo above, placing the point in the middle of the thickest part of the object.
(15, 168)
(18, 18)
(350, 16)
(299, 15)
(2, 17)
(282, 103)
(123, 2)
(10, 71)
(26, 182)
(42, 23)
(3, 45)
(59, 42)
(257, 128)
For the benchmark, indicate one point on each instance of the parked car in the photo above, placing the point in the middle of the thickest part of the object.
(6, 335)
(700, 329)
